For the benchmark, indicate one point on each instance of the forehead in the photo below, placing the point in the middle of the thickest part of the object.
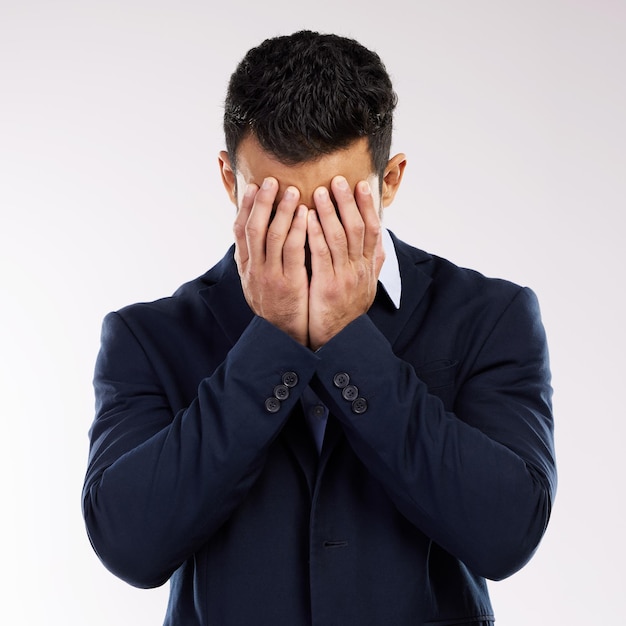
(254, 164)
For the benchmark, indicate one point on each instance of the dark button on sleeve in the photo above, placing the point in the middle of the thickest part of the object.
(281, 392)
(350, 392)
(340, 380)
(359, 406)
(290, 379)
(272, 405)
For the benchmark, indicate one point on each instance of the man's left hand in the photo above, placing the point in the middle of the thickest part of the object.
(346, 258)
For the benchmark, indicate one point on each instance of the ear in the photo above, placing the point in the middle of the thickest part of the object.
(229, 178)
(392, 178)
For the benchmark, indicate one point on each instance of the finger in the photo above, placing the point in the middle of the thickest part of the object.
(293, 250)
(239, 227)
(257, 224)
(280, 226)
(321, 259)
(350, 216)
(332, 229)
(372, 238)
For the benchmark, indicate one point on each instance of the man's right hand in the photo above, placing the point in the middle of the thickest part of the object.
(270, 257)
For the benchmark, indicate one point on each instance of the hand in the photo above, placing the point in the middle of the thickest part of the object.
(346, 257)
(270, 257)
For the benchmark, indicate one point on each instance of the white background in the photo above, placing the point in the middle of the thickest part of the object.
(512, 118)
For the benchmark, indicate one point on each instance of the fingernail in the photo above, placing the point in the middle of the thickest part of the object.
(365, 187)
(268, 183)
(250, 189)
(290, 193)
(341, 182)
(321, 193)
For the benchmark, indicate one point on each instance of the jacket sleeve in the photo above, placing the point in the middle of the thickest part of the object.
(159, 484)
(479, 481)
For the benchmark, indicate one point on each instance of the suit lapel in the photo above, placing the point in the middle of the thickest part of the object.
(225, 298)
(415, 282)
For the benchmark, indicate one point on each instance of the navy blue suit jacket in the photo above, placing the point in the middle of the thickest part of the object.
(446, 479)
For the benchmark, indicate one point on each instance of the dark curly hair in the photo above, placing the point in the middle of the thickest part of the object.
(309, 94)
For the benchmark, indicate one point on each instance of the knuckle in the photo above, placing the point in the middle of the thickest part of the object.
(239, 229)
(359, 228)
(290, 246)
(251, 274)
(323, 251)
(338, 238)
(252, 230)
(374, 225)
(274, 237)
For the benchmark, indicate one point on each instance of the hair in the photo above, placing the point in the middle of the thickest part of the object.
(308, 94)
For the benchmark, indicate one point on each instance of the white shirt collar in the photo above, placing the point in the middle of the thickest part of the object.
(389, 276)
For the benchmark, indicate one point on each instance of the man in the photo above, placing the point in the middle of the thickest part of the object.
(329, 427)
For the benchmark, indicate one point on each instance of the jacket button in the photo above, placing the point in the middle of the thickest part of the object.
(317, 411)
(350, 392)
(340, 380)
(290, 379)
(359, 406)
(272, 405)
(281, 392)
